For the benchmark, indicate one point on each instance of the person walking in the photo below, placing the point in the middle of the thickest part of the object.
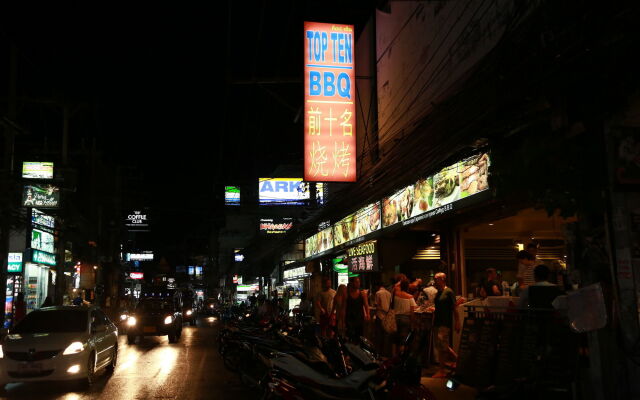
(357, 309)
(404, 306)
(445, 315)
(339, 311)
(383, 303)
(324, 306)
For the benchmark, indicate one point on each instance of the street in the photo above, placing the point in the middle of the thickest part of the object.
(153, 369)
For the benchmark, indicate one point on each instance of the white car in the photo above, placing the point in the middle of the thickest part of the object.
(59, 343)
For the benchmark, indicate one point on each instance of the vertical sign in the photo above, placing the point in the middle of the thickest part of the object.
(329, 103)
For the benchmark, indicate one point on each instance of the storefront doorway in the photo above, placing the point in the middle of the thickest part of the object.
(495, 244)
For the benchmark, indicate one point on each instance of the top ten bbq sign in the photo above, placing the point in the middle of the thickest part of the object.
(329, 85)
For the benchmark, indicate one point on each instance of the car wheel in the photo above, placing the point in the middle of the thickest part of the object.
(111, 368)
(91, 369)
(131, 339)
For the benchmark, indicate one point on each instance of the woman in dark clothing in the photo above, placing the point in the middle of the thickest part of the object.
(357, 309)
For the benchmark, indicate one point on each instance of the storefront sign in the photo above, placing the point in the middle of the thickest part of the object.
(363, 257)
(455, 182)
(14, 263)
(42, 196)
(136, 275)
(145, 256)
(358, 224)
(231, 195)
(42, 219)
(248, 288)
(41, 240)
(275, 226)
(294, 273)
(137, 219)
(329, 103)
(42, 257)
(37, 170)
(283, 191)
(318, 243)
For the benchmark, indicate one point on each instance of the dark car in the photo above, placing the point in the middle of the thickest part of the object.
(156, 316)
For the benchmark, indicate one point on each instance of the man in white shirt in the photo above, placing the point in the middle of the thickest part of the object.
(383, 303)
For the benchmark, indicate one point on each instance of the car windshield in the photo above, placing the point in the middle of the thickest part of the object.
(53, 321)
(154, 305)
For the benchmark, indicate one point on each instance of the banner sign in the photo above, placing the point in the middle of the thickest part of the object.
(145, 256)
(37, 170)
(136, 275)
(42, 257)
(15, 263)
(231, 195)
(363, 257)
(275, 226)
(41, 240)
(42, 196)
(455, 182)
(41, 219)
(295, 273)
(358, 224)
(329, 103)
(283, 191)
(318, 243)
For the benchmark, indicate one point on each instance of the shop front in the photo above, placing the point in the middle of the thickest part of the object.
(36, 284)
(295, 282)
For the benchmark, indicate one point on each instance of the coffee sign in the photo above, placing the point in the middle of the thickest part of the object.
(137, 219)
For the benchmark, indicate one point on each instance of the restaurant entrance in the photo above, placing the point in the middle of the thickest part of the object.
(495, 244)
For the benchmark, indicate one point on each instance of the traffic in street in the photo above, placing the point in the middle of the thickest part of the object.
(152, 368)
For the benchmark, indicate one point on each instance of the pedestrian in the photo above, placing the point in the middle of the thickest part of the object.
(526, 264)
(415, 288)
(398, 279)
(445, 315)
(404, 306)
(305, 304)
(490, 287)
(339, 311)
(357, 309)
(324, 307)
(383, 303)
(21, 309)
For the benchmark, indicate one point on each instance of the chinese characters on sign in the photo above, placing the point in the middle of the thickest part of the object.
(329, 124)
(363, 258)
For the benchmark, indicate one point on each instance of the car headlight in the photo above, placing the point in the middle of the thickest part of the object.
(1, 352)
(123, 317)
(189, 312)
(168, 320)
(74, 348)
(131, 321)
(210, 305)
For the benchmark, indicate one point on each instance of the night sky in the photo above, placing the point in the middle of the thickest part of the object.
(193, 96)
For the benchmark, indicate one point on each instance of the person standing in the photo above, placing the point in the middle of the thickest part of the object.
(339, 311)
(357, 309)
(383, 303)
(324, 306)
(21, 309)
(445, 315)
(526, 264)
(404, 305)
(542, 293)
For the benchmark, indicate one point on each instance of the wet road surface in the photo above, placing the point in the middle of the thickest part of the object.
(153, 369)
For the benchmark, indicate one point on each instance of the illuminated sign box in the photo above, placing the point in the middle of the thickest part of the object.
(232, 195)
(14, 263)
(283, 191)
(37, 170)
(319, 243)
(137, 219)
(42, 219)
(275, 226)
(140, 256)
(41, 240)
(329, 103)
(42, 257)
(41, 196)
(295, 273)
(136, 275)
(363, 257)
(358, 224)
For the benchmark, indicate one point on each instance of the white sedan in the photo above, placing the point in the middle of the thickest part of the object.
(59, 343)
